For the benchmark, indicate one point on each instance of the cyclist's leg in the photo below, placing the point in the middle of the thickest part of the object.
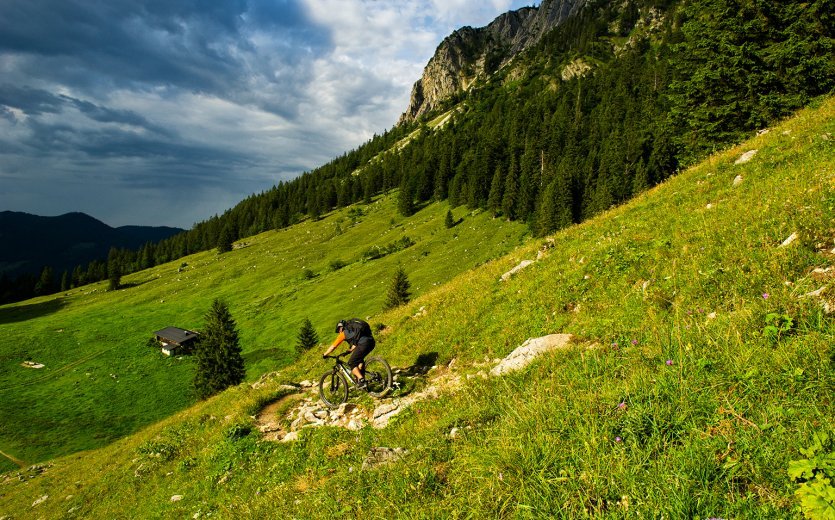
(357, 360)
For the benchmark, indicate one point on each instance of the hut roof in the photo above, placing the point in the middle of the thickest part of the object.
(176, 335)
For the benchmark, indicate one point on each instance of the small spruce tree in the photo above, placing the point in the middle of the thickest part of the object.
(399, 291)
(307, 338)
(218, 354)
(449, 221)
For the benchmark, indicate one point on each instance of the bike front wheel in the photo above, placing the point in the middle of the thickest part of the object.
(333, 389)
(377, 376)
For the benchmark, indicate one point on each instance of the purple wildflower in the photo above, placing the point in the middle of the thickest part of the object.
(634, 341)
(618, 439)
(622, 406)
(669, 362)
(765, 296)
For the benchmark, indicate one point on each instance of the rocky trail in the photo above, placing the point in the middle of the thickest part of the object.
(283, 419)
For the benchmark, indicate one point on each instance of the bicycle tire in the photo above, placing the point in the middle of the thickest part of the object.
(333, 389)
(377, 376)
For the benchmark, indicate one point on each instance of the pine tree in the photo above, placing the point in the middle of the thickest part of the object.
(114, 270)
(46, 283)
(224, 240)
(511, 191)
(217, 353)
(449, 221)
(307, 338)
(405, 199)
(494, 200)
(399, 291)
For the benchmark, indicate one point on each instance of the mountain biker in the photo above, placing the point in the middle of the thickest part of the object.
(357, 333)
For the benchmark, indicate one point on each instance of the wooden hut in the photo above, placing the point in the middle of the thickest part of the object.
(175, 340)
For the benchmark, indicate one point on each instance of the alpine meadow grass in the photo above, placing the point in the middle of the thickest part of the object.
(674, 400)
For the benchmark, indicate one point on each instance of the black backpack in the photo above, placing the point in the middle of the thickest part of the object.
(355, 329)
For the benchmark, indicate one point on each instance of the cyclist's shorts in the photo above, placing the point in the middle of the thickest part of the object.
(364, 346)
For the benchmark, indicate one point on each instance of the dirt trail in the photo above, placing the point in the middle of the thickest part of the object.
(16, 461)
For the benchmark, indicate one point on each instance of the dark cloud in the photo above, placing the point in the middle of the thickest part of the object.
(30, 101)
(120, 107)
(201, 46)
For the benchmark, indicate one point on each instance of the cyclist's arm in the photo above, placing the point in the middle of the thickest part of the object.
(338, 341)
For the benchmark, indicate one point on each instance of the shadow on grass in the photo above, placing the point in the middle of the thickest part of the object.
(407, 378)
(20, 313)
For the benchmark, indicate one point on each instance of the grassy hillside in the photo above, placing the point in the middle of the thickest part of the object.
(675, 401)
(101, 381)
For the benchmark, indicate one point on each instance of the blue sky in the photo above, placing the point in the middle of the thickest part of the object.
(165, 112)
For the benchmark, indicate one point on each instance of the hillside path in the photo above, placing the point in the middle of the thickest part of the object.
(16, 461)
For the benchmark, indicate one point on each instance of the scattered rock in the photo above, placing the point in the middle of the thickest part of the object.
(176, 498)
(789, 240)
(523, 264)
(292, 436)
(737, 180)
(383, 413)
(548, 245)
(709, 205)
(40, 501)
(32, 364)
(815, 294)
(382, 456)
(420, 312)
(763, 131)
(453, 433)
(528, 351)
(747, 156)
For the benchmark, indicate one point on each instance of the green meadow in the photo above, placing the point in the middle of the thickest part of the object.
(701, 371)
(100, 381)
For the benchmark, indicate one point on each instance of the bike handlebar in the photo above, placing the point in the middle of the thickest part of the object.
(337, 356)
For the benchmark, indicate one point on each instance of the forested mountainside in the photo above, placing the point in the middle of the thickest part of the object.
(612, 100)
(603, 100)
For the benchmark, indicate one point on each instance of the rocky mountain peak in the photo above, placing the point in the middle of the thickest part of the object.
(468, 54)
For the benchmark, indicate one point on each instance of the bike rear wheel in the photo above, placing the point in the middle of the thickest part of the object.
(377, 376)
(333, 389)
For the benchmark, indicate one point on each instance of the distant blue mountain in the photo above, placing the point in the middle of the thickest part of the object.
(30, 242)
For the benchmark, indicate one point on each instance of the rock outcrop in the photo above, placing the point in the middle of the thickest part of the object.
(468, 54)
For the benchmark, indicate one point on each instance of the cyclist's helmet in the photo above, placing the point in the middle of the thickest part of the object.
(339, 326)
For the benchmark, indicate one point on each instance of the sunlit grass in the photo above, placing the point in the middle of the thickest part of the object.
(673, 402)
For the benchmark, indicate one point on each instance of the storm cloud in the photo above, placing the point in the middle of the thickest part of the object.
(166, 112)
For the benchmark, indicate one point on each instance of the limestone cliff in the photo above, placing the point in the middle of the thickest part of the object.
(469, 53)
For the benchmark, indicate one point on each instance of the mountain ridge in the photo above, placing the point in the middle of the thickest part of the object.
(65, 241)
(471, 53)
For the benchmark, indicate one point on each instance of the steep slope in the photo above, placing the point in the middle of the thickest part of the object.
(677, 399)
(93, 342)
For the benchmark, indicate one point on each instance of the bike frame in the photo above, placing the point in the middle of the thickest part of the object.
(341, 366)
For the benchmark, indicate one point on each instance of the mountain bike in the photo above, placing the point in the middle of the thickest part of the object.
(335, 383)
